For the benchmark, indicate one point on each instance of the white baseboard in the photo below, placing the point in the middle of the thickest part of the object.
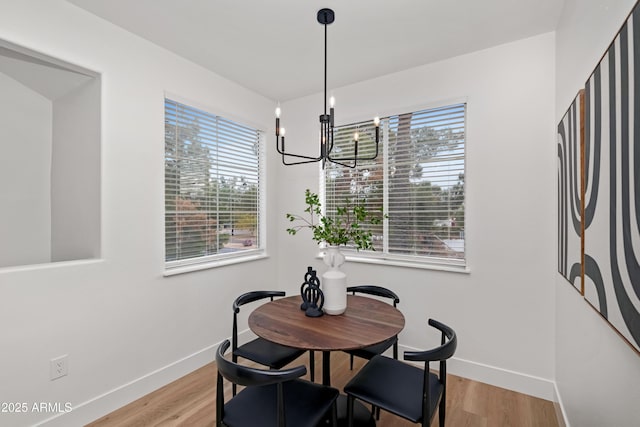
(511, 380)
(108, 402)
(114, 399)
(561, 414)
(522, 383)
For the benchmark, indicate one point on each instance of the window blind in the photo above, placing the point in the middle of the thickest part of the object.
(418, 179)
(362, 185)
(212, 186)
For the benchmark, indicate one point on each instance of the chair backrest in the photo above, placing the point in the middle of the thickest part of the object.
(375, 290)
(246, 299)
(248, 376)
(447, 348)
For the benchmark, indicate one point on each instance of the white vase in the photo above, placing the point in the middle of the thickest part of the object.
(334, 282)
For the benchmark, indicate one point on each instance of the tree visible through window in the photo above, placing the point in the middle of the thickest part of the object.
(418, 180)
(212, 186)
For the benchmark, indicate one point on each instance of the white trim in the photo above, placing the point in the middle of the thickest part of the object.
(561, 413)
(499, 377)
(172, 271)
(209, 108)
(263, 201)
(112, 400)
(395, 111)
(52, 264)
(385, 182)
(505, 378)
(397, 262)
(37, 56)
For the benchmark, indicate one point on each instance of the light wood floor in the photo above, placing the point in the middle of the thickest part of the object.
(190, 402)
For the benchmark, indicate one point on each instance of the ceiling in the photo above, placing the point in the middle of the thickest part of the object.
(275, 47)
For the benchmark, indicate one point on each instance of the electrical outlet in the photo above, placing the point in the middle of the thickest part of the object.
(59, 367)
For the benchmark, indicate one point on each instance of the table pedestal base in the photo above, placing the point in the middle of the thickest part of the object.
(361, 414)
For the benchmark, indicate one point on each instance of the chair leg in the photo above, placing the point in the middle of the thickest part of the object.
(441, 410)
(334, 414)
(350, 400)
(351, 362)
(234, 387)
(312, 365)
(375, 412)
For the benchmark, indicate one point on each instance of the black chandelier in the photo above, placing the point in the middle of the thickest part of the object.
(325, 17)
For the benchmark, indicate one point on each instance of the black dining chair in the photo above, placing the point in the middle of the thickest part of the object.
(271, 398)
(405, 390)
(259, 350)
(369, 352)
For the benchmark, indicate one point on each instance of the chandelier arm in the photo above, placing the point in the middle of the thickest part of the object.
(307, 159)
(356, 158)
(284, 162)
(337, 162)
(300, 156)
(284, 153)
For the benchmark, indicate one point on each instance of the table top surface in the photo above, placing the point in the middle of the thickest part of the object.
(366, 321)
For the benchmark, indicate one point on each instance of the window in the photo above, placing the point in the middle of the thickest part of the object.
(212, 187)
(418, 179)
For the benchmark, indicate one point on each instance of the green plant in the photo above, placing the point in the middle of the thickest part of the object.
(347, 226)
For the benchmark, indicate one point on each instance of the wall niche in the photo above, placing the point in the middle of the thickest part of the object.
(50, 150)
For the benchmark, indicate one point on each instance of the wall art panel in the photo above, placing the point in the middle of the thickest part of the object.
(612, 178)
(570, 145)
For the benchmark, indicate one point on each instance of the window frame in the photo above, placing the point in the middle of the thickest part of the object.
(179, 266)
(390, 259)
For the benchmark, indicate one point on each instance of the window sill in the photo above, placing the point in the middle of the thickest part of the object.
(425, 265)
(52, 264)
(188, 268)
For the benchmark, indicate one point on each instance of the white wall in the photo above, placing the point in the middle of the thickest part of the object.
(597, 374)
(25, 146)
(126, 328)
(503, 309)
(75, 174)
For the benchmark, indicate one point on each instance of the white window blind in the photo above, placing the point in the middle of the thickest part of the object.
(212, 186)
(418, 179)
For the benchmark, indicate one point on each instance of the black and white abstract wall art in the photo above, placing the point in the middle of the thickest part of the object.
(570, 144)
(612, 184)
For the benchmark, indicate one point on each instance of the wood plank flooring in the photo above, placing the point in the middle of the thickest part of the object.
(190, 402)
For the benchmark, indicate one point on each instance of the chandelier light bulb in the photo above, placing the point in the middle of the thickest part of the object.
(376, 121)
(332, 102)
(278, 112)
(282, 131)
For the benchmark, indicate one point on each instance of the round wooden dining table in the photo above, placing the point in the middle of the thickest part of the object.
(366, 321)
